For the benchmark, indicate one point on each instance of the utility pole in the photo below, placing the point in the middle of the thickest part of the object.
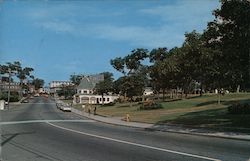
(9, 71)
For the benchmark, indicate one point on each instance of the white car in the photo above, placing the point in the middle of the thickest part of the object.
(65, 108)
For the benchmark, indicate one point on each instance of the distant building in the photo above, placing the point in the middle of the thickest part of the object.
(44, 90)
(13, 86)
(4, 85)
(55, 86)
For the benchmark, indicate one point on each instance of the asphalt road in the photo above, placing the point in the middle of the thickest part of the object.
(38, 131)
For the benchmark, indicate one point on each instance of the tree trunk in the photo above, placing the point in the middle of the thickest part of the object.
(163, 95)
(143, 100)
(201, 90)
(186, 93)
(238, 89)
(125, 96)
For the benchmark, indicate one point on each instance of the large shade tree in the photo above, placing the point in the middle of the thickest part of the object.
(134, 72)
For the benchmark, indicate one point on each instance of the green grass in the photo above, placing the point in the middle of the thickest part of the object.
(197, 111)
(67, 101)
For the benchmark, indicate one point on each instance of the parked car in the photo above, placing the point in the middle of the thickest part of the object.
(66, 108)
(36, 95)
(58, 105)
(25, 101)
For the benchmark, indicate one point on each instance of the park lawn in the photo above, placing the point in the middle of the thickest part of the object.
(68, 101)
(197, 111)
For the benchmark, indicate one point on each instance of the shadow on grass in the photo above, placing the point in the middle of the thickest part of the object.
(214, 119)
(224, 102)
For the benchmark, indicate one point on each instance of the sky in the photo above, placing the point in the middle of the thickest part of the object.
(60, 38)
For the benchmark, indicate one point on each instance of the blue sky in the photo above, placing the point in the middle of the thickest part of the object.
(59, 38)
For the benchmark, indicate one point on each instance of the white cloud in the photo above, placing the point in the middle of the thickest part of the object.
(58, 27)
(142, 36)
(173, 21)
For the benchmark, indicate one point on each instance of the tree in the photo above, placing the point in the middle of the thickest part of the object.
(38, 83)
(67, 91)
(106, 85)
(129, 86)
(76, 79)
(133, 69)
(21, 73)
(156, 57)
(229, 35)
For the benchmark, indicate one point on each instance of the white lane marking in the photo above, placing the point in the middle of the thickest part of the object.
(135, 144)
(42, 121)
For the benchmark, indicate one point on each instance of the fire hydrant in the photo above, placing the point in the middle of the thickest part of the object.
(127, 117)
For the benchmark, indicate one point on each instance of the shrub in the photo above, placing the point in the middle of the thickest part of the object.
(138, 99)
(14, 97)
(239, 108)
(149, 105)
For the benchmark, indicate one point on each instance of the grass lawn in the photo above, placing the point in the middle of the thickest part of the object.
(67, 101)
(198, 111)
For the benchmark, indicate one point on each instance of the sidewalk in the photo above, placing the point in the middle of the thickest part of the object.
(114, 121)
(164, 127)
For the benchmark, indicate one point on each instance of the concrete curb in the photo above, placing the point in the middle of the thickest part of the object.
(152, 127)
(119, 123)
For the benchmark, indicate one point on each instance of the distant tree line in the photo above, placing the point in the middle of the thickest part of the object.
(15, 69)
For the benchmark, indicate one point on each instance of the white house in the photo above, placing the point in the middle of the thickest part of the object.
(148, 91)
(93, 99)
(85, 93)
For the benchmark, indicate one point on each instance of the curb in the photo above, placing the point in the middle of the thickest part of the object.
(86, 115)
(243, 137)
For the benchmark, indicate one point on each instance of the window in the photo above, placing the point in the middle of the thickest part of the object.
(85, 91)
(103, 99)
(107, 99)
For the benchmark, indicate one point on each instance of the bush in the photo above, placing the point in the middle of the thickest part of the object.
(239, 108)
(149, 105)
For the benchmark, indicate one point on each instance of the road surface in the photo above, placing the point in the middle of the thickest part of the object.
(38, 131)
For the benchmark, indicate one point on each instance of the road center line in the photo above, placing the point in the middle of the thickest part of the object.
(42, 121)
(135, 144)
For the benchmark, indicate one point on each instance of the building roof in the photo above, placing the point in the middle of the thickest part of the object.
(86, 83)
